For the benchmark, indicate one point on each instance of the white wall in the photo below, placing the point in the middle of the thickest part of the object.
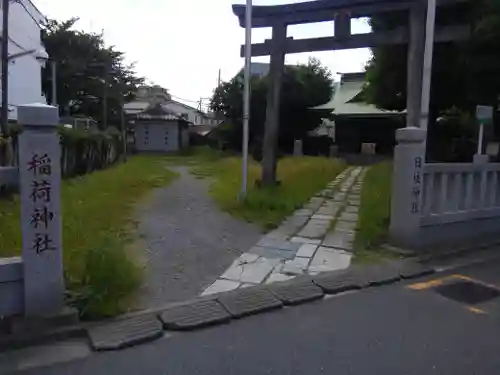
(25, 79)
(193, 115)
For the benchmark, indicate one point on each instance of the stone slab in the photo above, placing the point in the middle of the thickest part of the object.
(322, 217)
(307, 250)
(194, 314)
(125, 332)
(340, 197)
(277, 244)
(303, 212)
(246, 285)
(339, 239)
(296, 266)
(248, 301)
(254, 271)
(338, 281)
(303, 240)
(293, 223)
(345, 225)
(328, 210)
(277, 234)
(297, 291)
(314, 203)
(315, 229)
(351, 209)
(354, 202)
(277, 277)
(220, 286)
(348, 216)
(327, 193)
(271, 253)
(329, 259)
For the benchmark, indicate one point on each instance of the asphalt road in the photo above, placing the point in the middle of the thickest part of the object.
(386, 330)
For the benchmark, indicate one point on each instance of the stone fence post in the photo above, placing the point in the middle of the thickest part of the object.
(40, 180)
(407, 186)
(297, 148)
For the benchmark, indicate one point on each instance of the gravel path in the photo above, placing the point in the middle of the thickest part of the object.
(188, 241)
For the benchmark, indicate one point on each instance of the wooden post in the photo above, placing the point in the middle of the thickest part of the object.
(271, 131)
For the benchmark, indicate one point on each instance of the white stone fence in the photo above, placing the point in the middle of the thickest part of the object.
(441, 203)
(458, 192)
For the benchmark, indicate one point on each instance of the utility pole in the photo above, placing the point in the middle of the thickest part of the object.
(4, 112)
(218, 79)
(122, 123)
(53, 66)
(427, 63)
(105, 100)
(246, 98)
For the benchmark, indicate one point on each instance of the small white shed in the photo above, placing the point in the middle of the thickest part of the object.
(158, 129)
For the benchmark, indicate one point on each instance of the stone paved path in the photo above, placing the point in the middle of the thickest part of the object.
(317, 238)
(189, 242)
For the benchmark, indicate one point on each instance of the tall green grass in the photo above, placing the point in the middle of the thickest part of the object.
(97, 222)
(300, 178)
(374, 212)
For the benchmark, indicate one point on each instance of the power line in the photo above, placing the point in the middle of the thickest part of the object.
(20, 2)
(186, 100)
(16, 43)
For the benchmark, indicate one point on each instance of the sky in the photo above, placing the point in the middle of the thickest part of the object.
(182, 44)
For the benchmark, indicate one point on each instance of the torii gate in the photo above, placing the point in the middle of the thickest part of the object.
(340, 11)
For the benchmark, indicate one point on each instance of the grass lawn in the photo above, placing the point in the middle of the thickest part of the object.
(374, 214)
(301, 178)
(97, 220)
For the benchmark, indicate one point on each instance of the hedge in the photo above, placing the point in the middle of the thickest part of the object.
(82, 151)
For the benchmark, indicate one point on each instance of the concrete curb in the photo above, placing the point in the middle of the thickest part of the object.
(22, 340)
(225, 307)
(436, 253)
(222, 308)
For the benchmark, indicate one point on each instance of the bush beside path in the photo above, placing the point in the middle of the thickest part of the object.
(97, 220)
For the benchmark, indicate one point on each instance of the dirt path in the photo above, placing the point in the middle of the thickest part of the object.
(188, 241)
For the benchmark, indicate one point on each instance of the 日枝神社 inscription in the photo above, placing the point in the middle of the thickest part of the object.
(417, 185)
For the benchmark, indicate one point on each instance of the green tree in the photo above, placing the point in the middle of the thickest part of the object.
(483, 54)
(84, 65)
(304, 86)
(387, 70)
(464, 74)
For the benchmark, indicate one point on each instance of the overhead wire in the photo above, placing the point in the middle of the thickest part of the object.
(20, 2)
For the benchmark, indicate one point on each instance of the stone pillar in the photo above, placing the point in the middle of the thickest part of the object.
(297, 148)
(40, 180)
(407, 186)
(333, 151)
(481, 159)
(271, 129)
(416, 47)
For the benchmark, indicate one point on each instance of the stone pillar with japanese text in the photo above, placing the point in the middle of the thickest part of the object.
(407, 186)
(40, 180)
